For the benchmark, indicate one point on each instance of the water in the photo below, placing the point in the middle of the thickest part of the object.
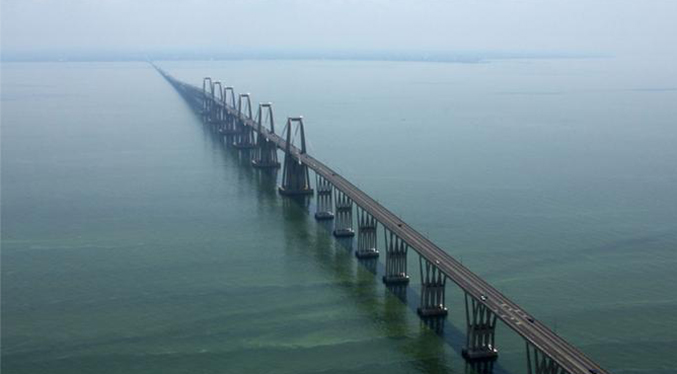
(132, 241)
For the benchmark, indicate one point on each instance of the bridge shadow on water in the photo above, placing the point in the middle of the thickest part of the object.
(361, 283)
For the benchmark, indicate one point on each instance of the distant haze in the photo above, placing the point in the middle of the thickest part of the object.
(607, 27)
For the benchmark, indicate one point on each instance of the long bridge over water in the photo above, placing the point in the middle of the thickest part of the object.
(232, 116)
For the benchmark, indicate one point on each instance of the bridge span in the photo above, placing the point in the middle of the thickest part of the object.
(232, 116)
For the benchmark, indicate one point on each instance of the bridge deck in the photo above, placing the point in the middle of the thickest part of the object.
(536, 333)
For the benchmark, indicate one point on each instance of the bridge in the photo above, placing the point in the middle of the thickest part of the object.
(337, 199)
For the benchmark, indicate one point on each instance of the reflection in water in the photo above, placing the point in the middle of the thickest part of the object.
(430, 350)
(436, 324)
(479, 367)
(371, 264)
(389, 315)
(296, 202)
(345, 243)
(326, 225)
(400, 291)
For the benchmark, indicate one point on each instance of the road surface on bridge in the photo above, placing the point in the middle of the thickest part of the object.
(537, 334)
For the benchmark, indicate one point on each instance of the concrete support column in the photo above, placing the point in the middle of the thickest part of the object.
(343, 226)
(432, 290)
(366, 235)
(229, 127)
(396, 259)
(540, 363)
(481, 336)
(325, 202)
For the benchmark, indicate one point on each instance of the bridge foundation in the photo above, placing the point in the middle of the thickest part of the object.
(325, 205)
(366, 235)
(432, 290)
(212, 115)
(230, 127)
(396, 260)
(481, 336)
(539, 363)
(344, 216)
(295, 178)
(244, 136)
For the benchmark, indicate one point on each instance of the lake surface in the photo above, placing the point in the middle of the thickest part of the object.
(133, 241)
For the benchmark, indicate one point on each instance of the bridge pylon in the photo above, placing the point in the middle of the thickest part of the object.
(396, 259)
(343, 226)
(481, 334)
(295, 177)
(218, 109)
(366, 235)
(207, 98)
(325, 202)
(265, 153)
(433, 298)
(230, 108)
(245, 135)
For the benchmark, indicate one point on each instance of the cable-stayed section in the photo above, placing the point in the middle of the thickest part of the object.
(547, 353)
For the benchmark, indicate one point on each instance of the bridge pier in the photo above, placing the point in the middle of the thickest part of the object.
(295, 178)
(481, 336)
(245, 135)
(434, 323)
(344, 216)
(542, 363)
(265, 154)
(212, 116)
(230, 127)
(366, 235)
(396, 260)
(324, 199)
(432, 290)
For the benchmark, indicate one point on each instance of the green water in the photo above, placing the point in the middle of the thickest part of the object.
(134, 242)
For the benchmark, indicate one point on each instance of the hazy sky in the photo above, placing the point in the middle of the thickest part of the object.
(597, 26)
